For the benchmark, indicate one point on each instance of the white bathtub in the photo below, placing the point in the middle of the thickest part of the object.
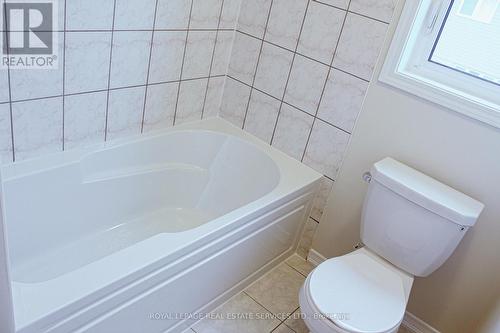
(117, 237)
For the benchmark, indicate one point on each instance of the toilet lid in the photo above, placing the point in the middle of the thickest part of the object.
(358, 293)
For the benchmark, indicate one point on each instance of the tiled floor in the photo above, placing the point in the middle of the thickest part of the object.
(269, 305)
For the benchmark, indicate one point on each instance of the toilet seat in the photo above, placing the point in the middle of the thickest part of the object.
(371, 292)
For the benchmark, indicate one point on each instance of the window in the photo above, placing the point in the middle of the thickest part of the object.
(448, 51)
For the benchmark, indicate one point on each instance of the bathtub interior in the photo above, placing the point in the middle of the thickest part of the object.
(74, 213)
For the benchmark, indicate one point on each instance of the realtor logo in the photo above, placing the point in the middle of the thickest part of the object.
(30, 38)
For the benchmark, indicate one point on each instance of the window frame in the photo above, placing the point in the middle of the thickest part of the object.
(407, 65)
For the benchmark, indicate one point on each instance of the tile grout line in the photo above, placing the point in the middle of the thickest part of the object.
(253, 299)
(122, 30)
(257, 64)
(312, 218)
(303, 55)
(10, 86)
(290, 72)
(291, 105)
(109, 72)
(326, 83)
(352, 12)
(182, 65)
(295, 269)
(296, 254)
(212, 60)
(149, 67)
(290, 315)
(64, 82)
(112, 89)
(281, 321)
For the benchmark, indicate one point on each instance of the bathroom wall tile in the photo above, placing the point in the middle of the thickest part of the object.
(160, 106)
(296, 323)
(261, 115)
(244, 58)
(377, 9)
(173, 14)
(342, 100)
(191, 97)
(214, 97)
(243, 304)
(134, 14)
(37, 127)
(89, 14)
(5, 134)
(129, 63)
(321, 32)
(306, 240)
(292, 131)
(278, 290)
(359, 46)
(301, 265)
(285, 21)
(84, 119)
(205, 14)
(166, 57)
(125, 108)
(326, 149)
(4, 85)
(321, 198)
(199, 51)
(306, 83)
(230, 13)
(253, 17)
(222, 53)
(234, 102)
(337, 3)
(58, 23)
(27, 84)
(87, 61)
(273, 69)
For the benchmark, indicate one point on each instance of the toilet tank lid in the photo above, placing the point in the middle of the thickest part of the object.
(427, 192)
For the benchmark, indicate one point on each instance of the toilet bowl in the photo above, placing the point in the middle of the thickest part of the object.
(356, 293)
(410, 224)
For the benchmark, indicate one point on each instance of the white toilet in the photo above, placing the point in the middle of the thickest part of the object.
(411, 224)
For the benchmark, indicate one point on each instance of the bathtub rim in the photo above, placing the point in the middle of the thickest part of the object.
(13, 170)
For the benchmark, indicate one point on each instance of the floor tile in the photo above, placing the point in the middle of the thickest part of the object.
(403, 329)
(296, 323)
(278, 290)
(283, 329)
(239, 314)
(298, 263)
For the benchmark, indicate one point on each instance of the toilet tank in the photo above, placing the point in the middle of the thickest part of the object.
(412, 220)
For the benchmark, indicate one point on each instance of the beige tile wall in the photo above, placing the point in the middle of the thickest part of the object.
(297, 77)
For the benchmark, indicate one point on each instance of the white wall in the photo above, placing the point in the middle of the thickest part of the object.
(454, 149)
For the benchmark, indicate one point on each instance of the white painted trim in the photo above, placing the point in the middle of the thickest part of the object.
(424, 81)
(410, 321)
(417, 325)
(315, 258)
